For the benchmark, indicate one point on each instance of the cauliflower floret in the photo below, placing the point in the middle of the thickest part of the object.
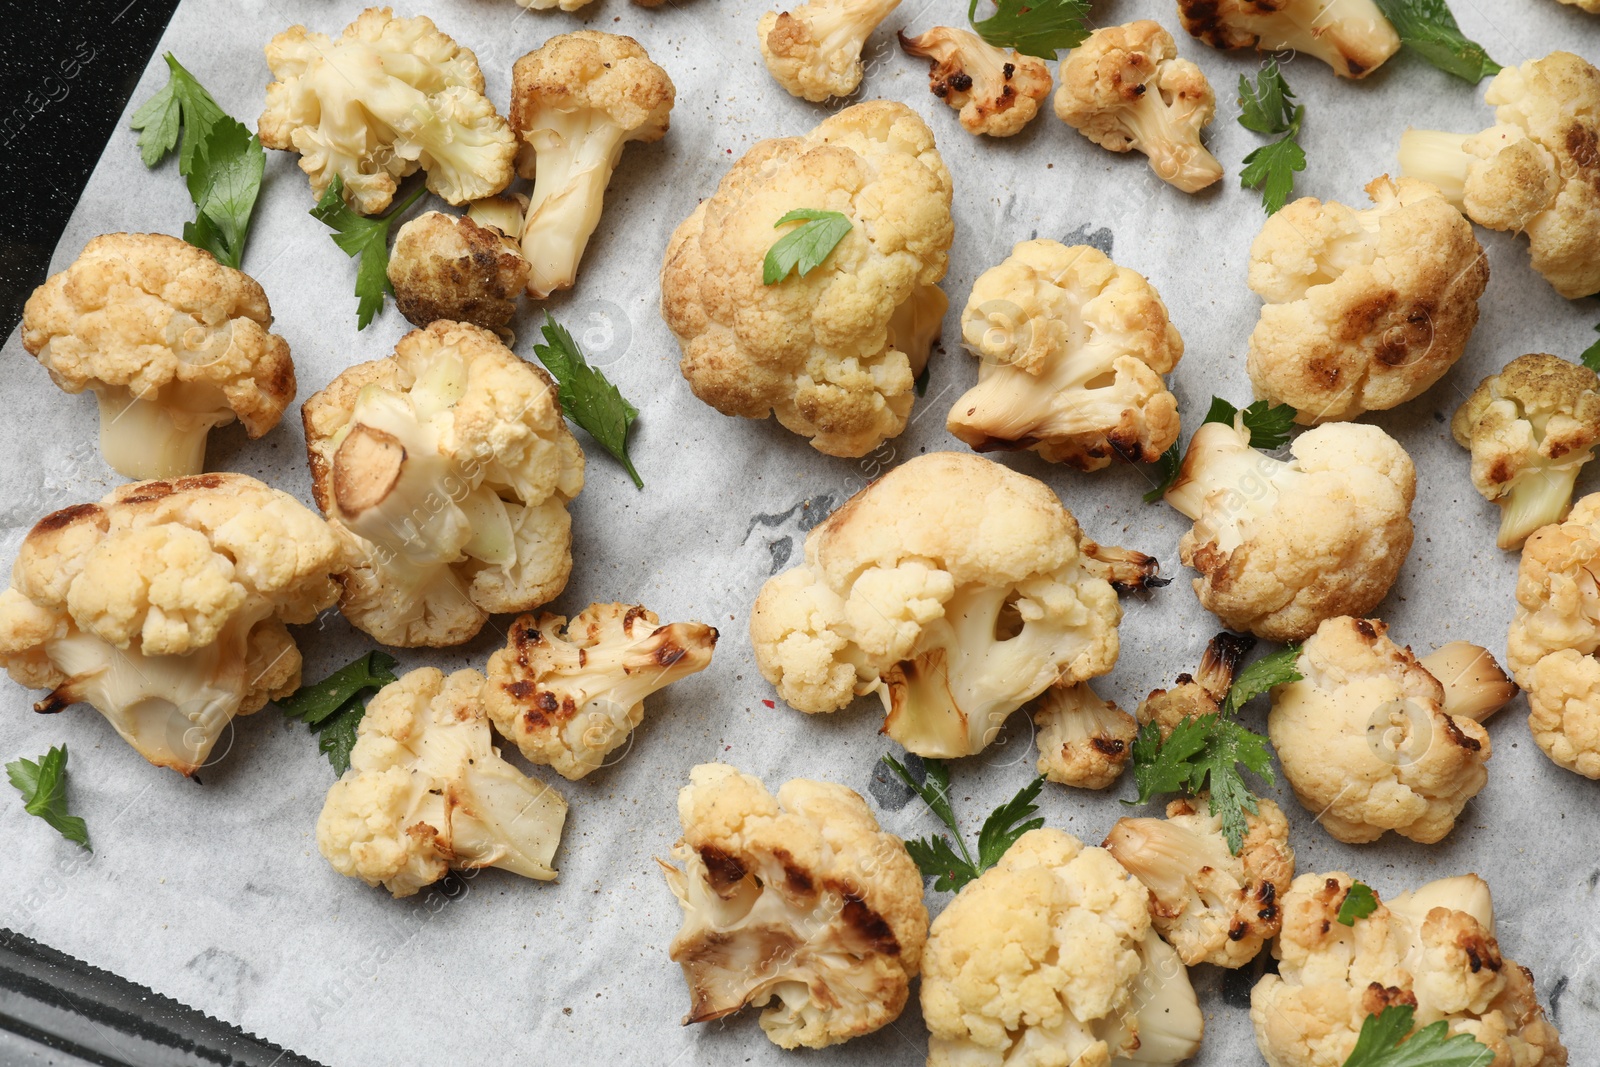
(955, 615)
(1367, 739)
(171, 342)
(1282, 545)
(427, 791)
(1048, 958)
(1591, 6)
(576, 101)
(1126, 89)
(569, 694)
(389, 96)
(814, 51)
(799, 897)
(164, 605)
(1212, 906)
(1072, 349)
(459, 268)
(1364, 309)
(1530, 428)
(1200, 694)
(1351, 36)
(997, 92)
(449, 468)
(1433, 949)
(834, 353)
(1537, 171)
(1083, 741)
(566, 5)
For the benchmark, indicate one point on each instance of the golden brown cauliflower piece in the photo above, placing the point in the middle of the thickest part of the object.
(1351, 36)
(814, 51)
(996, 92)
(1083, 741)
(452, 267)
(171, 342)
(1199, 694)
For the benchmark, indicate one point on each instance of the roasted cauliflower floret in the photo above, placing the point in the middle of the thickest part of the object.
(814, 51)
(1072, 350)
(1530, 429)
(1126, 89)
(1364, 309)
(955, 615)
(427, 791)
(1536, 171)
(1049, 958)
(570, 694)
(1083, 741)
(564, 5)
(449, 468)
(996, 92)
(1210, 905)
(799, 897)
(1282, 545)
(164, 605)
(458, 268)
(171, 342)
(1433, 949)
(1193, 696)
(387, 97)
(834, 353)
(1351, 36)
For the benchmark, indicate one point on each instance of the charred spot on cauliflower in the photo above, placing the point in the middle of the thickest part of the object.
(814, 51)
(1351, 36)
(996, 92)
(451, 267)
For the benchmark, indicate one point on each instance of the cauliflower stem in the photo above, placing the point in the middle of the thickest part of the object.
(577, 153)
(141, 439)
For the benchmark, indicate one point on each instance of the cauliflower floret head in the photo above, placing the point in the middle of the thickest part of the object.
(834, 353)
(996, 92)
(1364, 309)
(569, 694)
(955, 589)
(427, 791)
(171, 342)
(1433, 949)
(451, 267)
(564, 5)
(799, 897)
(1202, 693)
(449, 468)
(388, 96)
(164, 606)
(1126, 89)
(1083, 741)
(814, 51)
(1351, 36)
(1072, 350)
(1048, 958)
(1531, 428)
(1282, 545)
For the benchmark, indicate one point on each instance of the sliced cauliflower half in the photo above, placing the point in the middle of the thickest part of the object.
(449, 468)
(164, 605)
(171, 342)
(1364, 309)
(1072, 348)
(798, 898)
(427, 792)
(834, 354)
(1432, 949)
(459, 267)
(995, 92)
(1083, 741)
(1351, 36)
(386, 97)
(814, 51)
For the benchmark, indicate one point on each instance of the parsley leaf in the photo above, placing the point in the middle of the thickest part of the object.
(1007, 823)
(1167, 468)
(365, 238)
(1268, 424)
(1271, 168)
(181, 103)
(934, 856)
(43, 786)
(1266, 672)
(1359, 902)
(1268, 106)
(1033, 27)
(1381, 1043)
(1428, 28)
(587, 397)
(804, 247)
(333, 707)
(1591, 355)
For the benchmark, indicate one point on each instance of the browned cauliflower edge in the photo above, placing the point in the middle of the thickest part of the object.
(995, 91)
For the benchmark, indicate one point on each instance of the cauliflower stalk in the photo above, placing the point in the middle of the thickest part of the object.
(1083, 741)
(814, 51)
(427, 792)
(466, 268)
(1072, 348)
(797, 898)
(996, 92)
(1351, 36)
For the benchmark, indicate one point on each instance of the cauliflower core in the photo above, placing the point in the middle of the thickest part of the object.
(1126, 89)
(1536, 171)
(1364, 309)
(1530, 428)
(451, 267)
(833, 354)
(449, 468)
(164, 606)
(1083, 741)
(1433, 949)
(1351, 36)
(1049, 958)
(576, 101)
(814, 51)
(1072, 350)
(427, 791)
(389, 96)
(1282, 545)
(798, 897)
(954, 589)
(569, 694)
(171, 342)
(996, 92)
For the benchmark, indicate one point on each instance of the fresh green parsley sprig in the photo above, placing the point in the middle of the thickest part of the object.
(1269, 426)
(43, 785)
(587, 396)
(1383, 1043)
(1359, 902)
(1033, 27)
(804, 247)
(366, 240)
(1428, 28)
(1268, 107)
(935, 857)
(1590, 357)
(333, 707)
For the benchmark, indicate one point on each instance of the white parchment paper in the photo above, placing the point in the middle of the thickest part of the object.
(215, 894)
